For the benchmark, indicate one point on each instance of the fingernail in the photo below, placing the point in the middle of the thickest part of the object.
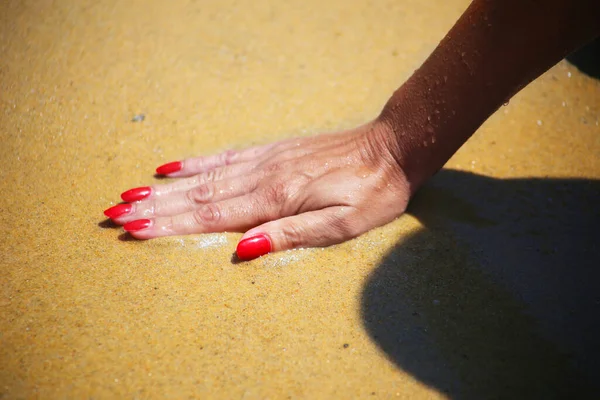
(137, 225)
(253, 247)
(169, 168)
(117, 211)
(136, 194)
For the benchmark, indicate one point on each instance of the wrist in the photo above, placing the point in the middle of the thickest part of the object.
(417, 136)
(427, 120)
(384, 147)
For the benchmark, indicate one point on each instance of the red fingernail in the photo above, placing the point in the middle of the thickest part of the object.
(136, 194)
(253, 247)
(117, 211)
(137, 225)
(169, 168)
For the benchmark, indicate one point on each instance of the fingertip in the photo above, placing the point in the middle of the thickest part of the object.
(136, 194)
(117, 211)
(253, 247)
(137, 225)
(169, 168)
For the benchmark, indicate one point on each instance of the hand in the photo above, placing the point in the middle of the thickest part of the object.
(307, 192)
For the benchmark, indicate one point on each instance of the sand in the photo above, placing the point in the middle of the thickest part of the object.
(486, 288)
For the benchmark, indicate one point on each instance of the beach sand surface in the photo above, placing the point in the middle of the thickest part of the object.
(486, 288)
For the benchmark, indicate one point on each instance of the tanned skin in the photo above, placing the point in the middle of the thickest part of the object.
(495, 49)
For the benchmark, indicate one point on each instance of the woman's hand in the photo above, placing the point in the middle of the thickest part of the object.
(308, 192)
(330, 188)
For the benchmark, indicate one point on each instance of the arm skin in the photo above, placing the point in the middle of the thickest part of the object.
(323, 190)
(495, 49)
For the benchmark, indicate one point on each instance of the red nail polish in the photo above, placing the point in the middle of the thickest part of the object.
(117, 211)
(136, 194)
(253, 247)
(169, 168)
(137, 225)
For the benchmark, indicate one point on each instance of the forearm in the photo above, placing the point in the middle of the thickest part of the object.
(496, 48)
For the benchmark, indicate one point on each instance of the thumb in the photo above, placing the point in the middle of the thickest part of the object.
(321, 228)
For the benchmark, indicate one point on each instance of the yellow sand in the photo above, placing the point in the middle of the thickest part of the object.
(86, 315)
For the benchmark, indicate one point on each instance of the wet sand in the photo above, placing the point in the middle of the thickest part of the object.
(487, 286)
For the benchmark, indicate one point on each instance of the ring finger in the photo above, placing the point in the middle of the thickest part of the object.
(233, 215)
(182, 201)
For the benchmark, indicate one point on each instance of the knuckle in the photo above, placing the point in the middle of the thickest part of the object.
(229, 157)
(299, 181)
(201, 194)
(208, 214)
(276, 193)
(295, 196)
(272, 168)
(347, 227)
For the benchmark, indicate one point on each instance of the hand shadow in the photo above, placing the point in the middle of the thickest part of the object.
(498, 297)
(108, 224)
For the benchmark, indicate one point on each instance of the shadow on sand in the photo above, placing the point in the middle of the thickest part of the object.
(499, 295)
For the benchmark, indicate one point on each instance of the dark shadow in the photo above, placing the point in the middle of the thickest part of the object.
(499, 295)
(235, 259)
(160, 177)
(108, 224)
(126, 237)
(587, 59)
